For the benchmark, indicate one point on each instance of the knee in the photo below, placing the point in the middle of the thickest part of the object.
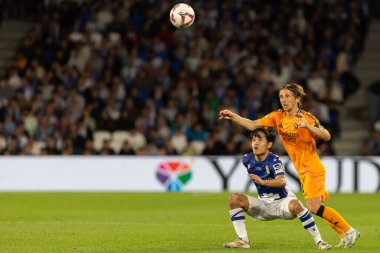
(295, 207)
(236, 200)
(313, 208)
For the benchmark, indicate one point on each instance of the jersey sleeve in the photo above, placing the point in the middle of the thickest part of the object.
(245, 160)
(312, 120)
(277, 168)
(269, 120)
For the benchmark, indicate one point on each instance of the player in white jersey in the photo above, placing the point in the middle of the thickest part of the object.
(275, 200)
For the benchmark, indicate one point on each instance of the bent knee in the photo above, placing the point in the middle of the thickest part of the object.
(295, 207)
(238, 200)
(234, 198)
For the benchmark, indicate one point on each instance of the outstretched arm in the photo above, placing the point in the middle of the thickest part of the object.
(244, 122)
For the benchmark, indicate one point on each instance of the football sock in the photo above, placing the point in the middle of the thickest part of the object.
(308, 223)
(238, 220)
(333, 217)
(337, 229)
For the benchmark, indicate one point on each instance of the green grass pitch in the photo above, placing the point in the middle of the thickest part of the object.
(162, 222)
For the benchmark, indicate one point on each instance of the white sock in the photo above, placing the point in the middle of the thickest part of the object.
(238, 220)
(308, 223)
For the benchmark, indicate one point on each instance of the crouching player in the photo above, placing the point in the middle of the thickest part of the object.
(275, 201)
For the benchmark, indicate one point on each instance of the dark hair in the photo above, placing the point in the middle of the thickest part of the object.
(296, 90)
(268, 132)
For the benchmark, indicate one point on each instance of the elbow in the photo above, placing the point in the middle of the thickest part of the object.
(254, 124)
(325, 135)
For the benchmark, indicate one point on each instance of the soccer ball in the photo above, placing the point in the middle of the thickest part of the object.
(182, 15)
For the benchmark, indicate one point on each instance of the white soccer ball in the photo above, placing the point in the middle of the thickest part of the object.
(182, 15)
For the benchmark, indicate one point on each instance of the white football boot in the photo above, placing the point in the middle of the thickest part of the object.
(238, 243)
(322, 245)
(350, 238)
(341, 243)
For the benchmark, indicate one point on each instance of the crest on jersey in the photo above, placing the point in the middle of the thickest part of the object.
(267, 169)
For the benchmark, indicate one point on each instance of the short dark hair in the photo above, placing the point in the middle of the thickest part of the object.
(268, 132)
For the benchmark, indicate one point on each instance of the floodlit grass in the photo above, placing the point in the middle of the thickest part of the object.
(162, 222)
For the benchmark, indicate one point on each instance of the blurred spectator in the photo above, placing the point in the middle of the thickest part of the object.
(126, 149)
(334, 92)
(109, 67)
(2, 7)
(316, 83)
(211, 148)
(106, 148)
(168, 149)
(179, 141)
(9, 126)
(196, 132)
(325, 149)
(51, 148)
(137, 139)
(374, 101)
(318, 109)
(372, 145)
(89, 147)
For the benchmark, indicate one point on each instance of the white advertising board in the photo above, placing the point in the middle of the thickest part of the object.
(175, 173)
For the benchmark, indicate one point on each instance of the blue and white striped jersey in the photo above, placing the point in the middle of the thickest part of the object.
(268, 169)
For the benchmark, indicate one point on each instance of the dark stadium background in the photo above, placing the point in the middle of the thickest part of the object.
(99, 100)
(114, 77)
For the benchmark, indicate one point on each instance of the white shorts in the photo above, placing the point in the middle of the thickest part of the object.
(278, 209)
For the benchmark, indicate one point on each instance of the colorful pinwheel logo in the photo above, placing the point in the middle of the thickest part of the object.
(173, 175)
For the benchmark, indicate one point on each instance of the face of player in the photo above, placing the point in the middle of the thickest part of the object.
(288, 102)
(260, 146)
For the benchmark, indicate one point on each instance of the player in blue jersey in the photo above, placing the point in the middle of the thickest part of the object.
(275, 200)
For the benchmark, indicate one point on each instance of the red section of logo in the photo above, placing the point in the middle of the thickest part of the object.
(174, 175)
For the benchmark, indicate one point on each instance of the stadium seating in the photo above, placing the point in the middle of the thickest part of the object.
(37, 147)
(197, 147)
(118, 139)
(99, 137)
(114, 70)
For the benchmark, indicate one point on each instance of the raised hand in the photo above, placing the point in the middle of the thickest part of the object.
(302, 120)
(225, 114)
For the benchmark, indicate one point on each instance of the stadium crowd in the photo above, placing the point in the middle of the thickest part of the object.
(114, 77)
(371, 145)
